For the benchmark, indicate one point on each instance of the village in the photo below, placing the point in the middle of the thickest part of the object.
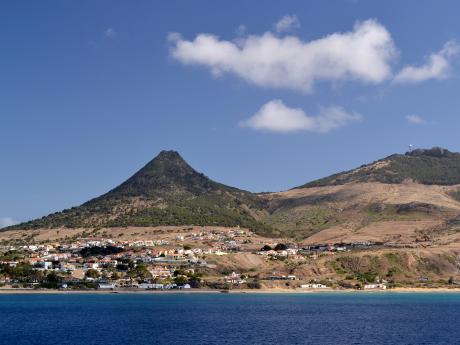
(179, 261)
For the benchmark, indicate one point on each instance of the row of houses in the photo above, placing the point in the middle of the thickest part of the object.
(145, 286)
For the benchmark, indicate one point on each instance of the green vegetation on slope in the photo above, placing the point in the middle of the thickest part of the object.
(167, 191)
(378, 212)
(434, 166)
(394, 266)
(302, 223)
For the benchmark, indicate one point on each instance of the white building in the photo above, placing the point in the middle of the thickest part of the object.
(150, 286)
(234, 278)
(375, 287)
(313, 286)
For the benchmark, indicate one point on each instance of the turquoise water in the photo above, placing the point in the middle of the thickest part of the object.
(380, 318)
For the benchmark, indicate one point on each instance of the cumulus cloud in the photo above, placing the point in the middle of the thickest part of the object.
(110, 33)
(6, 221)
(275, 116)
(437, 66)
(415, 119)
(364, 54)
(287, 23)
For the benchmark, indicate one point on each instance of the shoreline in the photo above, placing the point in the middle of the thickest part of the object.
(14, 291)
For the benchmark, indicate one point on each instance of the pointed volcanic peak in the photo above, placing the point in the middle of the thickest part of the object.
(166, 191)
(435, 166)
(166, 175)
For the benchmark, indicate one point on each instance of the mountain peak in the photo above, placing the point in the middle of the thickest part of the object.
(169, 154)
(166, 160)
(435, 166)
(166, 191)
(167, 173)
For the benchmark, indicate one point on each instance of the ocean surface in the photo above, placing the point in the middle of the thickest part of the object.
(328, 318)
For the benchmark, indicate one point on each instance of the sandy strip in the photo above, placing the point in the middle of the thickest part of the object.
(4, 291)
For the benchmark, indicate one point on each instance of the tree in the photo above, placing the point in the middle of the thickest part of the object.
(181, 280)
(100, 251)
(179, 272)
(195, 283)
(139, 272)
(23, 272)
(92, 273)
(281, 246)
(52, 281)
(368, 276)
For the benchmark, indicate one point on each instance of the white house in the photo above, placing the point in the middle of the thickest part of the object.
(375, 287)
(150, 286)
(47, 265)
(313, 286)
(234, 278)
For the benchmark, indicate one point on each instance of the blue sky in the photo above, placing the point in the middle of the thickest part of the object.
(262, 96)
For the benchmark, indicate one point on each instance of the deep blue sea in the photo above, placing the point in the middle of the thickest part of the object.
(329, 318)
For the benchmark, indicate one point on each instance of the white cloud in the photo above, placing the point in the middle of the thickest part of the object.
(110, 33)
(287, 23)
(437, 66)
(364, 54)
(7, 221)
(415, 119)
(275, 116)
